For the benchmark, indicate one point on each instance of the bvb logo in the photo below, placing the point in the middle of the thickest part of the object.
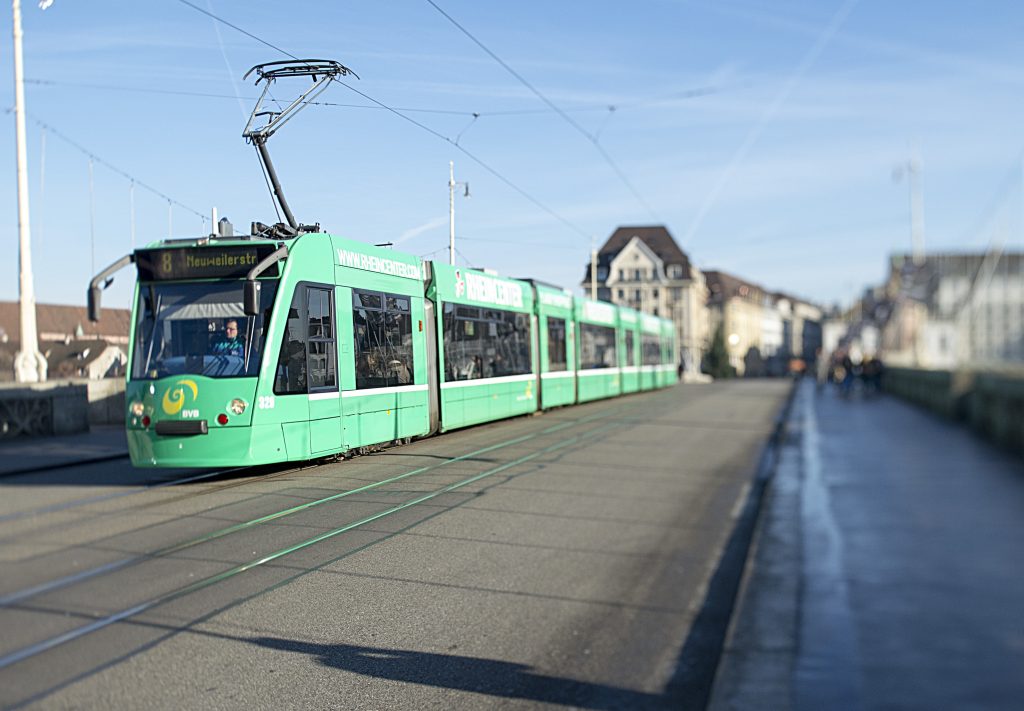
(460, 285)
(174, 397)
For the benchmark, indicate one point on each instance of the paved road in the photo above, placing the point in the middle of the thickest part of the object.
(552, 560)
(888, 568)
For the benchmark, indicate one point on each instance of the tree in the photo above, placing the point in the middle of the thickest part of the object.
(716, 358)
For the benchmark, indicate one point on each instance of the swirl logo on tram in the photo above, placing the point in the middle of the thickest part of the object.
(174, 396)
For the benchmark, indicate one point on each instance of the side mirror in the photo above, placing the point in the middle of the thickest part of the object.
(95, 297)
(251, 297)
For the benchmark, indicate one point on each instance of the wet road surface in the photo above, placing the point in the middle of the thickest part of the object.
(888, 572)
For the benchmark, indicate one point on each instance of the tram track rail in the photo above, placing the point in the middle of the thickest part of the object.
(86, 501)
(97, 624)
(27, 593)
(10, 473)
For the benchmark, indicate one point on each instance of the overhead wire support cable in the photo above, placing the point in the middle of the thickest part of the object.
(580, 231)
(554, 107)
(475, 159)
(238, 29)
(109, 166)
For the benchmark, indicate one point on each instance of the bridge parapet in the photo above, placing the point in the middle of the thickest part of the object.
(56, 408)
(992, 403)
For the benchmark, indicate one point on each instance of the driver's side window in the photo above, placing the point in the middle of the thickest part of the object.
(291, 363)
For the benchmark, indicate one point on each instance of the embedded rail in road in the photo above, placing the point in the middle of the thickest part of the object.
(559, 559)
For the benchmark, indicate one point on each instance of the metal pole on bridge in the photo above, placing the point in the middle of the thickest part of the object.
(29, 364)
(451, 212)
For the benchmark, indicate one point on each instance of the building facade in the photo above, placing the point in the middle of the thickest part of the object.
(764, 331)
(644, 268)
(950, 310)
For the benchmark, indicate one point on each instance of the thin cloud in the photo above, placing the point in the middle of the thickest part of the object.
(420, 229)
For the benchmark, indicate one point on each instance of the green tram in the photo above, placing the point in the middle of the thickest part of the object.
(248, 350)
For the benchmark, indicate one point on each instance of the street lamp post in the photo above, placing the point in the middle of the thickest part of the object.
(29, 364)
(912, 167)
(451, 210)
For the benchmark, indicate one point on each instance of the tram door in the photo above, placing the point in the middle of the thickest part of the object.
(322, 355)
(306, 382)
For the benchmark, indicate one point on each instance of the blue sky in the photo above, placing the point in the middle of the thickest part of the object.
(779, 170)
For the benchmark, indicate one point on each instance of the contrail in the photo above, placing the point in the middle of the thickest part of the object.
(420, 229)
(755, 133)
(227, 63)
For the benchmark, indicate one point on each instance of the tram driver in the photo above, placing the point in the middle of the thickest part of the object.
(229, 342)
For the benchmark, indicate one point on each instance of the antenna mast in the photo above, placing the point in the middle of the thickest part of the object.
(322, 72)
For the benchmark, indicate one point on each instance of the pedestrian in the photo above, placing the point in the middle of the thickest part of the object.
(821, 368)
(846, 384)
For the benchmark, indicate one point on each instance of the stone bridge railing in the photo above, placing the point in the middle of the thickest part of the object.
(989, 402)
(60, 407)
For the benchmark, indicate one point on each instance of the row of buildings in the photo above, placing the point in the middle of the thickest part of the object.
(644, 268)
(73, 346)
(941, 311)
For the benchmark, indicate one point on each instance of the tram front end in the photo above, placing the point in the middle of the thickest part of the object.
(195, 352)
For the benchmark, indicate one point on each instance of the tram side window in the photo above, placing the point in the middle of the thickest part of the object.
(307, 358)
(382, 328)
(556, 344)
(597, 346)
(322, 359)
(630, 350)
(485, 343)
(651, 346)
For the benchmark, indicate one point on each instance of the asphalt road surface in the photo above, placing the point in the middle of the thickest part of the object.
(554, 560)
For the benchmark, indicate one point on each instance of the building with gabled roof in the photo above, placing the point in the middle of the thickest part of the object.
(59, 326)
(643, 267)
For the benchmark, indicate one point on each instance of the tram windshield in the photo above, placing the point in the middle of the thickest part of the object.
(198, 329)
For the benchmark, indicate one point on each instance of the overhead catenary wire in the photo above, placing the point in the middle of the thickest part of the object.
(465, 259)
(624, 105)
(575, 228)
(554, 107)
(110, 166)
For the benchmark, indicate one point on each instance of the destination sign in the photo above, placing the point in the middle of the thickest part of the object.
(202, 262)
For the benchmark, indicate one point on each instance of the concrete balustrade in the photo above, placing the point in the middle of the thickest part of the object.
(991, 403)
(60, 407)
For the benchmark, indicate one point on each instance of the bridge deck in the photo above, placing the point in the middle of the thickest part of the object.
(558, 559)
(888, 571)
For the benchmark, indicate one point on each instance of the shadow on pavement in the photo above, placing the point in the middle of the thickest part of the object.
(472, 674)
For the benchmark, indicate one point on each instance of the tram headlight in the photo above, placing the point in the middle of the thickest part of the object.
(137, 408)
(237, 406)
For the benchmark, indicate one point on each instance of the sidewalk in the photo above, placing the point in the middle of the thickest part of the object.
(30, 454)
(887, 569)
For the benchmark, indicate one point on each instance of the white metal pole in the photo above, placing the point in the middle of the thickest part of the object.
(916, 210)
(213, 221)
(593, 269)
(131, 211)
(170, 219)
(451, 212)
(42, 188)
(92, 219)
(29, 364)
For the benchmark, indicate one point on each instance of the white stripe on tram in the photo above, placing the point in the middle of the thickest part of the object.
(489, 381)
(598, 371)
(386, 391)
(324, 396)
